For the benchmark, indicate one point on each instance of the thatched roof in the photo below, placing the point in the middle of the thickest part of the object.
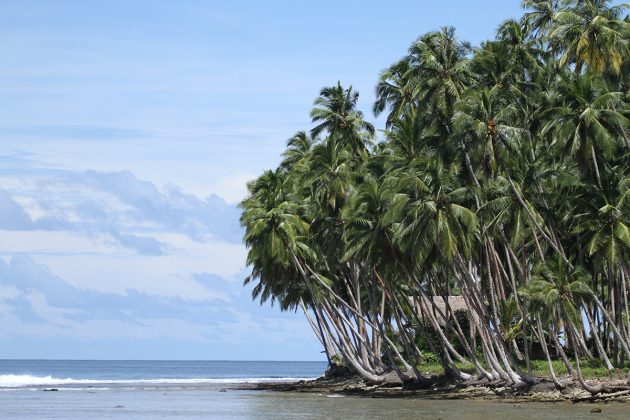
(454, 302)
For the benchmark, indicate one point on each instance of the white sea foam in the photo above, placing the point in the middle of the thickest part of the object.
(18, 381)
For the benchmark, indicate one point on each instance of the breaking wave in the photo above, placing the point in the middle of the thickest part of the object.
(18, 381)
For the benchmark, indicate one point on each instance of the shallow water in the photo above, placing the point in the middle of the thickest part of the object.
(208, 403)
(188, 389)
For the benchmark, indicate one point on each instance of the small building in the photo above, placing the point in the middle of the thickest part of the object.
(437, 307)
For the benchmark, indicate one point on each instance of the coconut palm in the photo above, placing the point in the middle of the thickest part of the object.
(585, 122)
(607, 225)
(502, 176)
(592, 33)
(336, 113)
(437, 220)
(540, 15)
(298, 147)
(397, 89)
(441, 65)
(485, 119)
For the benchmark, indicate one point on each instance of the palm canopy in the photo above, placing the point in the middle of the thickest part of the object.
(556, 289)
(297, 150)
(368, 231)
(490, 123)
(540, 15)
(336, 113)
(606, 226)
(585, 121)
(274, 231)
(523, 51)
(397, 89)
(330, 176)
(441, 66)
(407, 139)
(436, 222)
(370, 239)
(592, 33)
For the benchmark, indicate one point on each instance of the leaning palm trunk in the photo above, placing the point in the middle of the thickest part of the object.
(593, 389)
(543, 344)
(495, 342)
(388, 352)
(349, 356)
(596, 168)
(353, 310)
(445, 358)
(462, 338)
(342, 341)
(356, 313)
(611, 323)
(398, 312)
(447, 347)
(595, 335)
(559, 348)
(319, 332)
(533, 220)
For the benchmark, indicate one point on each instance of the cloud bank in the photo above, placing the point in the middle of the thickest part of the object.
(36, 306)
(102, 264)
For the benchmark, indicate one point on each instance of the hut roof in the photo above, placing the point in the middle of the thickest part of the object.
(454, 302)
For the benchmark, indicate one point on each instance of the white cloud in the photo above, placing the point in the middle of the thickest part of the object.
(37, 304)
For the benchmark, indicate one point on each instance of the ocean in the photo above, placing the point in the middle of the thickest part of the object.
(132, 374)
(124, 389)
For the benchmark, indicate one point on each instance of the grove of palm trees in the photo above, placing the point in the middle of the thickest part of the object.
(501, 180)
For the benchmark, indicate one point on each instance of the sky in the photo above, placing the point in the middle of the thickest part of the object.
(128, 131)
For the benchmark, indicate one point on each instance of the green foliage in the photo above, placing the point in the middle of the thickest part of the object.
(503, 171)
(429, 358)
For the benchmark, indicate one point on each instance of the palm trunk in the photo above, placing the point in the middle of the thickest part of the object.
(598, 343)
(543, 344)
(319, 332)
(611, 323)
(596, 168)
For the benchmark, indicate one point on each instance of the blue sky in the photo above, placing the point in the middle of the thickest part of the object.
(128, 131)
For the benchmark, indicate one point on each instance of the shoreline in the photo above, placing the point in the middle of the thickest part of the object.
(441, 389)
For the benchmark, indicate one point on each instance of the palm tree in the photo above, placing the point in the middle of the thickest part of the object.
(523, 51)
(437, 221)
(407, 139)
(502, 177)
(274, 232)
(592, 33)
(607, 225)
(540, 15)
(397, 89)
(298, 147)
(584, 120)
(336, 113)
(486, 120)
(441, 66)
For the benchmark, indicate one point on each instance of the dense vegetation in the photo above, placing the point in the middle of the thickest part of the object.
(502, 177)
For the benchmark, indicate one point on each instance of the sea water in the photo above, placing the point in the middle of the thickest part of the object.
(93, 374)
(72, 389)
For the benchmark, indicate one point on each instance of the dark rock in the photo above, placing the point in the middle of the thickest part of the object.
(414, 384)
(442, 388)
(596, 410)
(338, 371)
